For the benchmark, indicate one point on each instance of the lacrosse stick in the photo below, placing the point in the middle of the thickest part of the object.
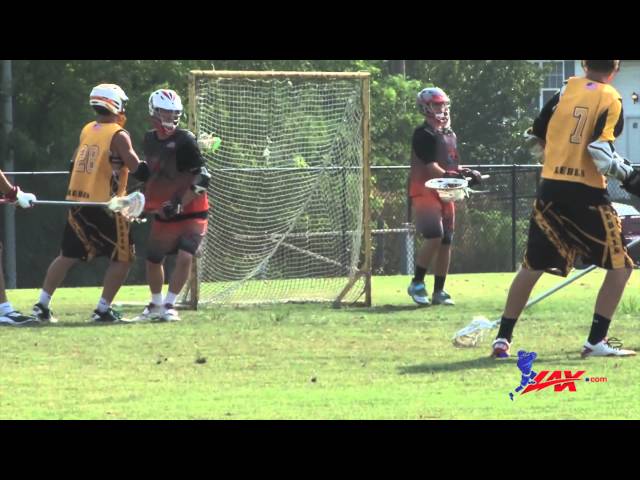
(473, 333)
(452, 189)
(208, 143)
(130, 206)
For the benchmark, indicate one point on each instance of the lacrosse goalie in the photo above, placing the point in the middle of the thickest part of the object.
(434, 154)
(99, 171)
(176, 195)
(572, 214)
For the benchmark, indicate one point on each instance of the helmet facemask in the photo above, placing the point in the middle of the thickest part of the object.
(166, 121)
(439, 113)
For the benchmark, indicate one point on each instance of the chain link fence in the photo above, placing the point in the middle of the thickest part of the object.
(490, 233)
(491, 227)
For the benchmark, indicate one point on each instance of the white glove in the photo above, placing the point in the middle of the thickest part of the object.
(25, 199)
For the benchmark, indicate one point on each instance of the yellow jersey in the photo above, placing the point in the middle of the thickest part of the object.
(586, 111)
(97, 176)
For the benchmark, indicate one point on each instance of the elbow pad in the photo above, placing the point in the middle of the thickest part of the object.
(142, 173)
(608, 162)
(201, 180)
(534, 145)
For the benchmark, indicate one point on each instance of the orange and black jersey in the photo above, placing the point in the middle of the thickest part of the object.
(582, 112)
(172, 162)
(429, 146)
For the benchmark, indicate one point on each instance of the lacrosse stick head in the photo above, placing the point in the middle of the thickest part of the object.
(472, 334)
(130, 206)
(208, 143)
(449, 189)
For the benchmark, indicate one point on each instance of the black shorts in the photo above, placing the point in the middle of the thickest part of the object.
(97, 232)
(559, 232)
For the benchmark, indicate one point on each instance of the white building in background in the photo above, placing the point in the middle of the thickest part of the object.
(627, 82)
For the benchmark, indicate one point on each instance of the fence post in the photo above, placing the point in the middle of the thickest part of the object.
(409, 250)
(378, 256)
(513, 217)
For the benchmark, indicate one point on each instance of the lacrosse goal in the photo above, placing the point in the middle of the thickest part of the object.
(289, 193)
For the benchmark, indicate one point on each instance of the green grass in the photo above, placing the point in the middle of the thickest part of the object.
(392, 361)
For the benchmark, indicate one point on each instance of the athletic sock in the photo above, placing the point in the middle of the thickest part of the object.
(45, 299)
(170, 298)
(103, 305)
(156, 298)
(438, 284)
(419, 274)
(506, 328)
(5, 308)
(599, 329)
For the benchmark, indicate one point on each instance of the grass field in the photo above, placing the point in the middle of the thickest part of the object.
(392, 361)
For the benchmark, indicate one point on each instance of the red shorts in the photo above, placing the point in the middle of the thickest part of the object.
(166, 238)
(432, 217)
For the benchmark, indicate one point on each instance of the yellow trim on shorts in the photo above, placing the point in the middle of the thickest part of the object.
(86, 243)
(614, 248)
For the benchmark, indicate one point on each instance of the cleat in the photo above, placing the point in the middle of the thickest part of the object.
(170, 314)
(501, 348)
(418, 293)
(606, 348)
(151, 312)
(441, 297)
(43, 314)
(17, 319)
(107, 317)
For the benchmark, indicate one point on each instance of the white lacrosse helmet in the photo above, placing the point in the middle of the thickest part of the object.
(109, 96)
(169, 100)
(427, 97)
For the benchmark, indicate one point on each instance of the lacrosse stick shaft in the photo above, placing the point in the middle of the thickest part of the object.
(66, 202)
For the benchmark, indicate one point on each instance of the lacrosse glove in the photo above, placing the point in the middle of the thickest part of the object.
(474, 176)
(632, 183)
(23, 199)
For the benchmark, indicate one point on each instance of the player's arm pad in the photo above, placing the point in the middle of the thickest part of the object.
(607, 160)
(142, 173)
(201, 180)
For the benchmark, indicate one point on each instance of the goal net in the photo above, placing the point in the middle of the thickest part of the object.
(289, 187)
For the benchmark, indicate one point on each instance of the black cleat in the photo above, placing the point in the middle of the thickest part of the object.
(17, 319)
(43, 314)
(109, 316)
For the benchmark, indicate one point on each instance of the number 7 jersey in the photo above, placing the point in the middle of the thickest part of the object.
(585, 111)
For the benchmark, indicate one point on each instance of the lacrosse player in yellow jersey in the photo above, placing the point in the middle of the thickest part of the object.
(99, 171)
(572, 214)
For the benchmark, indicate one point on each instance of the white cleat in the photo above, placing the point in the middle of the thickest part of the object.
(170, 314)
(606, 348)
(418, 293)
(151, 312)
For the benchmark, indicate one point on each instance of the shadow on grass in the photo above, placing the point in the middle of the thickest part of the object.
(395, 308)
(482, 362)
(545, 362)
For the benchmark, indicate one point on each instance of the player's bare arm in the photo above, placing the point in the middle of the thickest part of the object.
(122, 147)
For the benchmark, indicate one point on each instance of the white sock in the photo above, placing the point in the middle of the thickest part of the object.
(45, 299)
(5, 308)
(103, 305)
(156, 298)
(170, 298)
